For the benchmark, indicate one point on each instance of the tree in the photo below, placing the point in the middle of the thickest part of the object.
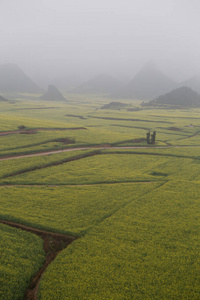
(148, 137)
(153, 137)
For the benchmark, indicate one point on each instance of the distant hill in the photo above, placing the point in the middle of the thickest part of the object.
(99, 84)
(183, 96)
(115, 105)
(193, 83)
(53, 94)
(13, 79)
(148, 84)
(3, 99)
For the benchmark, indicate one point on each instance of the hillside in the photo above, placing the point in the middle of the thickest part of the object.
(3, 99)
(193, 83)
(53, 94)
(13, 79)
(99, 84)
(114, 105)
(183, 96)
(148, 83)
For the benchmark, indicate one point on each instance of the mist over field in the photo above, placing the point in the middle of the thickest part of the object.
(72, 41)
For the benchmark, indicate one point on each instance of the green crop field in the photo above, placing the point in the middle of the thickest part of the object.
(21, 255)
(146, 250)
(66, 209)
(13, 167)
(111, 168)
(134, 207)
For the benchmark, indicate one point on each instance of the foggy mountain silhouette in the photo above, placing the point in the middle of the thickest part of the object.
(13, 79)
(183, 96)
(102, 83)
(148, 83)
(52, 94)
(3, 99)
(193, 83)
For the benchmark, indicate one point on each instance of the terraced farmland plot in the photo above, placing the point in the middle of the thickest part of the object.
(182, 152)
(178, 169)
(110, 168)
(148, 249)
(189, 141)
(136, 212)
(71, 210)
(40, 141)
(97, 169)
(55, 139)
(22, 255)
(26, 164)
(101, 126)
(11, 120)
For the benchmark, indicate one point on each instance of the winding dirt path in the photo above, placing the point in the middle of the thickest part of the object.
(53, 243)
(95, 148)
(44, 153)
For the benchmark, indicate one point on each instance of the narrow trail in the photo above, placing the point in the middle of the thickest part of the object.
(44, 153)
(95, 148)
(53, 243)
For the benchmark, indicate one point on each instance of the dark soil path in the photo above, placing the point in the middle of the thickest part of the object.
(53, 243)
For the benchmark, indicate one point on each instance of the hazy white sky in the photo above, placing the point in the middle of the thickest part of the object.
(92, 36)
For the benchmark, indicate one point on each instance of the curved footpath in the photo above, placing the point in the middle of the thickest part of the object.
(92, 148)
(53, 243)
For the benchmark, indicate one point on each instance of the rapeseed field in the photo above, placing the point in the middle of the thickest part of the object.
(135, 211)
